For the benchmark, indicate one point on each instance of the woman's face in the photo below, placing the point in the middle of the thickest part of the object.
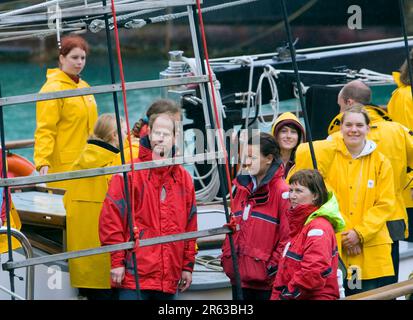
(74, 62)
(256, 163)
(300, 195)
(354, 129)
(287, 138)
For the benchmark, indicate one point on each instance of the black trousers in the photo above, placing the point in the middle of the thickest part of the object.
(410, 226)
(395, 256)
(252, 294)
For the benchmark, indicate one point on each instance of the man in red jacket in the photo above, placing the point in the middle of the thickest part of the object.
(164, 204)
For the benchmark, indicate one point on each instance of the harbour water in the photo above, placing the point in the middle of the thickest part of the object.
(24, 77)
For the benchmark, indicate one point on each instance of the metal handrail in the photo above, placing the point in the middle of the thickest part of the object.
(106, 88)
(28, 251)
(19, 181)
(116, 247)
(19, 144)
(388, 292)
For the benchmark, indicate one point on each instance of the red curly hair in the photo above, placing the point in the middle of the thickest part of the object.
(73, 41)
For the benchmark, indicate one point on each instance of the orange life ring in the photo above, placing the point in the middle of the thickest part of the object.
(18, 166)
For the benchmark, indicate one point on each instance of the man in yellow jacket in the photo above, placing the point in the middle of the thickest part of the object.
(364, 187)
(400, 109)
(394, 141)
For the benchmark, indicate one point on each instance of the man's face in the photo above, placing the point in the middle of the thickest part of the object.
(162, 137)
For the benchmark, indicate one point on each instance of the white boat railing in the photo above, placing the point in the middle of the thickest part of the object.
(95, 11)
(115, 247)
(28, 252)
(389, 292)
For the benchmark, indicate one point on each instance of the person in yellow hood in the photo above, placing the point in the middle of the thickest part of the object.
(400, 105)
(362, 179)
(400, 109)
(83, 201)
(395, 142)
(289, 133)
(63, 125)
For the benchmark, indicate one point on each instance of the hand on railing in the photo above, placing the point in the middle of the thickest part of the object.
(232, 224)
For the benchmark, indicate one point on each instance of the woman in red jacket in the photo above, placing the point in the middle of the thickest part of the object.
(260, 206)
(164, 204)
(308, 267)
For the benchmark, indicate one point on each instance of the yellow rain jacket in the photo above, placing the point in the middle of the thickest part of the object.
(126, 150)
(14, 223)
(400, 108)
(395, 142)
(62, 125)
(400, 105)
(365, 191)
(83, 202)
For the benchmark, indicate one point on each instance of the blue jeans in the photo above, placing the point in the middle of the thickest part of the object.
(128, 294)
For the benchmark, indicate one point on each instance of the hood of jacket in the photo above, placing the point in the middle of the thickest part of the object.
(96, 154)
(330, 211)
(396, 78)
(369, 147)
(58, 75)
(375, 113)
(288, 118)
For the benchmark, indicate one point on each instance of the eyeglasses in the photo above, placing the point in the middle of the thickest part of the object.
(159, 134)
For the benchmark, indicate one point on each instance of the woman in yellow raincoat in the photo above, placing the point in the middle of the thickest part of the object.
(63, 125)
(83, 201)
(362, 179)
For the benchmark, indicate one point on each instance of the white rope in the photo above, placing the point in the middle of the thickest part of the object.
(210, 262)
(270, 74)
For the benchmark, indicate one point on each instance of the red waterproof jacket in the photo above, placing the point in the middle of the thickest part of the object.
(164, 204)
(263, 235)
(308, 268)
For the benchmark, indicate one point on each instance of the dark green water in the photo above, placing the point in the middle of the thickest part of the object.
(24, 77)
